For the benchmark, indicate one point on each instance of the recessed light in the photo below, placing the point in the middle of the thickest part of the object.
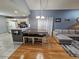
(15, 11)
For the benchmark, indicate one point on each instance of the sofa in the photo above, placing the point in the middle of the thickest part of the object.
(67, 32)
(74, 34)
(69, 40)
(65, 36)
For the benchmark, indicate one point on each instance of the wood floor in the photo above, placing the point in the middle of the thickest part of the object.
(50, 50)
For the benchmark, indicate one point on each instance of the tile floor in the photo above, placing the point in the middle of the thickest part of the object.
(7, 46)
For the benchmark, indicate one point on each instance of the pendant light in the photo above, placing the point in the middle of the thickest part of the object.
(41, 10)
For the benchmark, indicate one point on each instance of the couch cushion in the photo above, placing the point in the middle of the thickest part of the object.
(76, 31)
(65, 31)
(71, 31)
(64, 39)
(57, 31)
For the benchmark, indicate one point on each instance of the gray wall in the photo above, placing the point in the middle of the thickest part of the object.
(63, 14)
(33, 22)
(3, 25)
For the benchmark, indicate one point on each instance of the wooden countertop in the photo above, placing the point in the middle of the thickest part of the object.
(50, 50)
(34, 31)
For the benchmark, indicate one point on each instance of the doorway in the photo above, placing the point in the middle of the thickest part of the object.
(46, 24)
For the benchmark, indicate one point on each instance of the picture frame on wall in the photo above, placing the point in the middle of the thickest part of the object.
(58, 20)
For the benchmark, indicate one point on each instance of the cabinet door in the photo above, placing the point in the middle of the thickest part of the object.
(11, 25)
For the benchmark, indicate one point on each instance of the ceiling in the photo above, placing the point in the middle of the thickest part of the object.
(53, 4)
(23, 7)
(14, 8)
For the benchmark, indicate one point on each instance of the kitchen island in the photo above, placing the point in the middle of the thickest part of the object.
(20, 36)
